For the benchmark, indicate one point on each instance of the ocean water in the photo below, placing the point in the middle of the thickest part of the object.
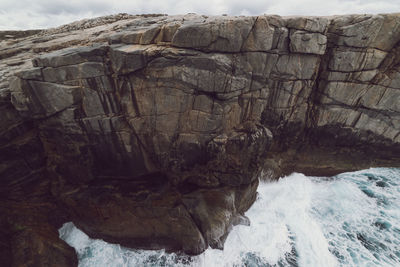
(352, 219)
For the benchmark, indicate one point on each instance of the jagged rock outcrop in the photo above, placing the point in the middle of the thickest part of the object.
(152, 131)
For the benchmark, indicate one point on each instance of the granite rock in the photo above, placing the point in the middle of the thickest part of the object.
(152, 131)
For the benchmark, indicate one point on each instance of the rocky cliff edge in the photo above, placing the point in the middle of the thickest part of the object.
(151, 131)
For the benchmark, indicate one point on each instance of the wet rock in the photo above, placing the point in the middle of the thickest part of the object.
(143, 213)
(152, 131)
(30, 248)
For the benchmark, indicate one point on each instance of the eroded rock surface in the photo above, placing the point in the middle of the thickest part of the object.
(152, 131)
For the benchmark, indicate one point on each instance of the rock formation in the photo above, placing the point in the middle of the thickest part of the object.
(152, 131)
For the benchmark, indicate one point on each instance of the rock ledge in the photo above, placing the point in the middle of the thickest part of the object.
(151, 131)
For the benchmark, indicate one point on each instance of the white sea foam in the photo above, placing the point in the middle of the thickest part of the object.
(352, 219)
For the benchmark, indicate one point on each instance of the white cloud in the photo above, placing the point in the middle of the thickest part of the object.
(31, 14)
(333, 7)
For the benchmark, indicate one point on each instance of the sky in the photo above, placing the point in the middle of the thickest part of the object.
(40, 14)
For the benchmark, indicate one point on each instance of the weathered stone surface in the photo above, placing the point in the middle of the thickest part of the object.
(310, 24)
(71, 56)
(215, 34)
(346, 60)
(373, 31)
(36, 99)
(261, 37)
(73, 72)
(154, 216)
(152, 131)
(126, 58)
(307, 43)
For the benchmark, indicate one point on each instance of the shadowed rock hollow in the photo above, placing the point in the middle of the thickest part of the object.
(152, 131)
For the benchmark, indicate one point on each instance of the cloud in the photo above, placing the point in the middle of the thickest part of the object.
(28, 14)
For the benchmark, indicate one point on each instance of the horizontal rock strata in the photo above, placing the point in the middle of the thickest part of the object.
(152, 131)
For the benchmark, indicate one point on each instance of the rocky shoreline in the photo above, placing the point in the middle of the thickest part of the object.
(152, 131)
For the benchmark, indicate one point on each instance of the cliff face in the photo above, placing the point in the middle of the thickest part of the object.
(151, 131)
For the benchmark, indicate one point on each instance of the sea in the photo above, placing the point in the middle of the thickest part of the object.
(352, 219)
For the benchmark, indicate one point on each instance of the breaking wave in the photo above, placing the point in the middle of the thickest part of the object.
(352, 219)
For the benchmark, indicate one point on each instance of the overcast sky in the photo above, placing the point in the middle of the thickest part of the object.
(33, 14)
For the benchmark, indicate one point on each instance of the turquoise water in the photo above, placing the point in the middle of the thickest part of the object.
(352, 219)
